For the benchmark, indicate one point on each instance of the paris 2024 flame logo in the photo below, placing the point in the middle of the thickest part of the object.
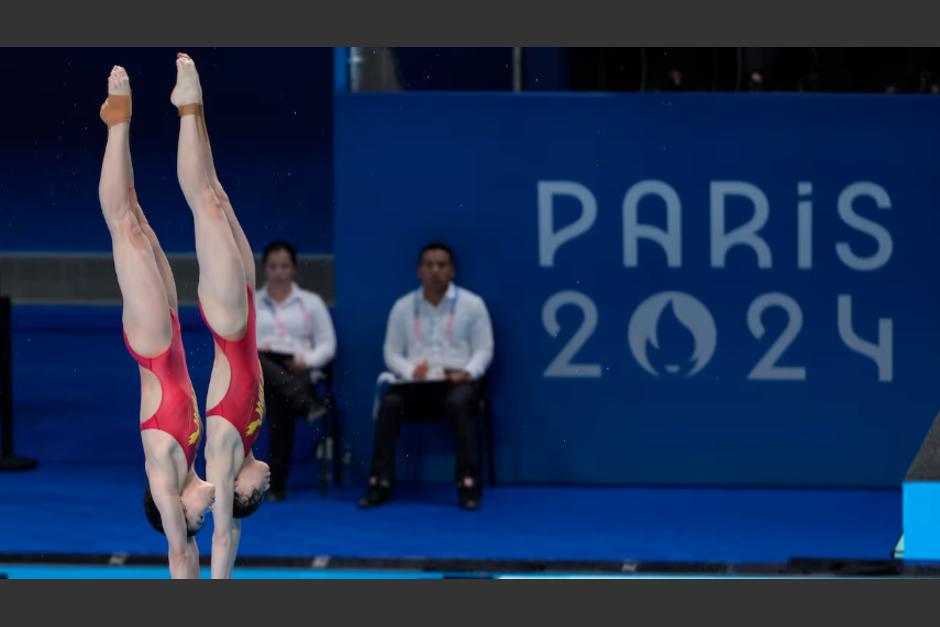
(672, 334)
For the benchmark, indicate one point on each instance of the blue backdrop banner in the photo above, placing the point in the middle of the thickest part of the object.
(705, 289)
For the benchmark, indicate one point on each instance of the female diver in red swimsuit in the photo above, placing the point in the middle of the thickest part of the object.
(235, 399)
(177, 501)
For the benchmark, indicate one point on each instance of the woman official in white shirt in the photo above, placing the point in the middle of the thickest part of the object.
(295, 341)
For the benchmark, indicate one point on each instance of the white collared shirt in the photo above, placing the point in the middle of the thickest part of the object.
(300, 325)
(456, 334)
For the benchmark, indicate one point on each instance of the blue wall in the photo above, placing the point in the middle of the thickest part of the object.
(268, 110)
(467, 168)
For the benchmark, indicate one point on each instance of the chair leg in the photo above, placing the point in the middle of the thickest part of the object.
(327, 465)
(327, 446)
(338, 461)
(486, 426)
(490, 453)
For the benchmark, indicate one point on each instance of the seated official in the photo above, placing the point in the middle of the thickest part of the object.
(438, 344)
(295, 341)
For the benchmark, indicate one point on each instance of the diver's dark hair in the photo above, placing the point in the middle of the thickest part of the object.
(153, 516)
(244, 507)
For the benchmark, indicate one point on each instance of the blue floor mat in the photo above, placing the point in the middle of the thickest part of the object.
(95, 509)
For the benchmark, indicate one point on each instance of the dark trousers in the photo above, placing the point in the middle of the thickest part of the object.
(457, 403)
(287, 395)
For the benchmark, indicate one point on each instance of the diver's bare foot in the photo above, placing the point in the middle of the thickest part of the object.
(187, 90)
(117, 107)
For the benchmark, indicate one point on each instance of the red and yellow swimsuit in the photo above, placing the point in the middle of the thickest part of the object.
(243, 403)
(178, 413)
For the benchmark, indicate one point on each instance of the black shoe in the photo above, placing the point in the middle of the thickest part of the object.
(275, 496)
(376, 495)
(468, 498)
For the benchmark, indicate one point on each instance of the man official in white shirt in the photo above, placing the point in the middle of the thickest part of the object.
(438, 344)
